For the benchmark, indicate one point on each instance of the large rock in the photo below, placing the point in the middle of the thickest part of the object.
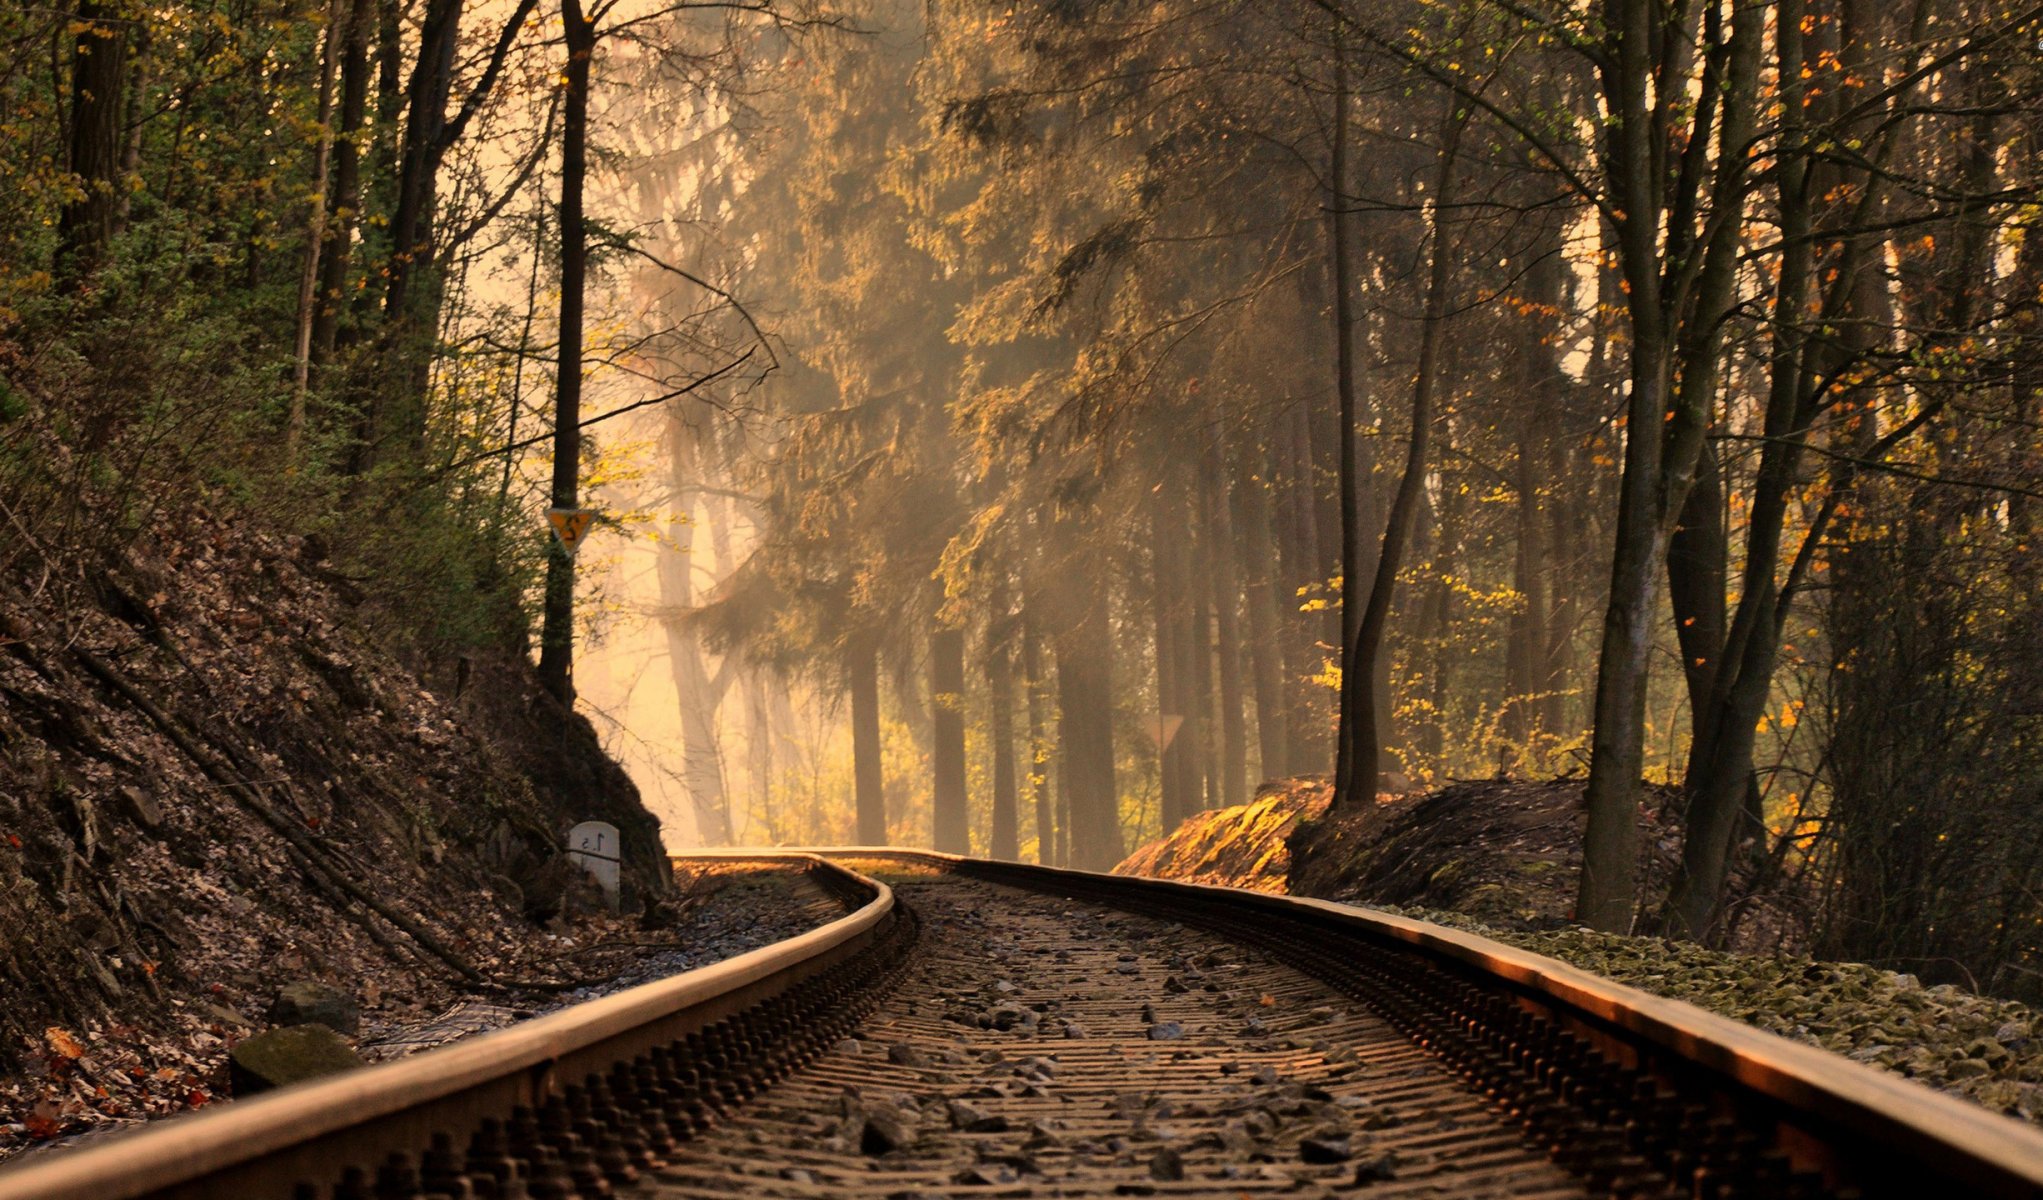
(309, 1002)
(289, 1055)
(886, 1130)
(140, 806)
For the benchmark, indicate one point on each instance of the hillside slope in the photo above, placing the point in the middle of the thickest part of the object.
(213, 781)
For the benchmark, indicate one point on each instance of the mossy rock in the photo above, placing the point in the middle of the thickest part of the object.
(292, 1054)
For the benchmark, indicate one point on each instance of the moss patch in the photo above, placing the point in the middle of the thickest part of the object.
(1244, 846)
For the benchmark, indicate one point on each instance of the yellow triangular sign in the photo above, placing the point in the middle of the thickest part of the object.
(569, 525)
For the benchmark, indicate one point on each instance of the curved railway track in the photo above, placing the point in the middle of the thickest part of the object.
(998, 1029)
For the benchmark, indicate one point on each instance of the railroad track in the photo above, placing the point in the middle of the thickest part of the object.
(997, 1029)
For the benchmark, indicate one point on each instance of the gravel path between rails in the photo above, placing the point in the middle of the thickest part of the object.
(1985, 1050)
(1038, 1046)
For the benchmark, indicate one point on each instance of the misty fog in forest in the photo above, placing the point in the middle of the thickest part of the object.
(1019, 353)
(1019, 524)
(1018, 427)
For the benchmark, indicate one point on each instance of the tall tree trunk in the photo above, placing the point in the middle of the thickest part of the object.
(133, 123)
(759, 735)
(1527, 659)
(1320, 447)
(345, 202)
(1356, 724)
(1004, 841)
(1525, 646)
(1723, 792)
(1198, 650)
(393, 412)
(1617, 748)
(1302, 572)
(1437, 623)
(1039, 744)
(1251, 503)
(869, 795)
(2026, 379)
(389, 83)
(99, 63)
(1664, 429)
(1170, 744)
(315, 228)
(1564, 538)
(1064, 837)
(557, 633)
(426, 96)
(698, 695)
(391, 405)
(384, 147)
(1721, 751)
(1698, 554)
(1360, 704)
(950, 821)
(1085, 652)
(1224, 572)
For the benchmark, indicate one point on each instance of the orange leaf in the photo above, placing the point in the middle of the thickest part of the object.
(40, 1127)
(63, 1043)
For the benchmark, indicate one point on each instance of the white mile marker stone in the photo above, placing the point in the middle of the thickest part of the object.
(593, 846)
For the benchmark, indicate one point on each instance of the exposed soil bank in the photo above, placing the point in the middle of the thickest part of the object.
(214, 780)
(720, 912)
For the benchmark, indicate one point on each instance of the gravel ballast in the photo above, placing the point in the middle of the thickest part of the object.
(1985, 1050)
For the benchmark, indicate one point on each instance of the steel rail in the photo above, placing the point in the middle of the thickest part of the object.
(1827, 1111)
(1572, 1052)
(270, 1145)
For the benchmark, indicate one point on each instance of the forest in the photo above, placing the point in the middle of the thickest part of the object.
(1014, 427)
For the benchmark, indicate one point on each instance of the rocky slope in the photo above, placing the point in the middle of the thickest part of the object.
(214, 780)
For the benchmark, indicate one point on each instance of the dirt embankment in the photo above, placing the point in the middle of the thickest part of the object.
(1497, 850)
(213, 781)
(1502, 851)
